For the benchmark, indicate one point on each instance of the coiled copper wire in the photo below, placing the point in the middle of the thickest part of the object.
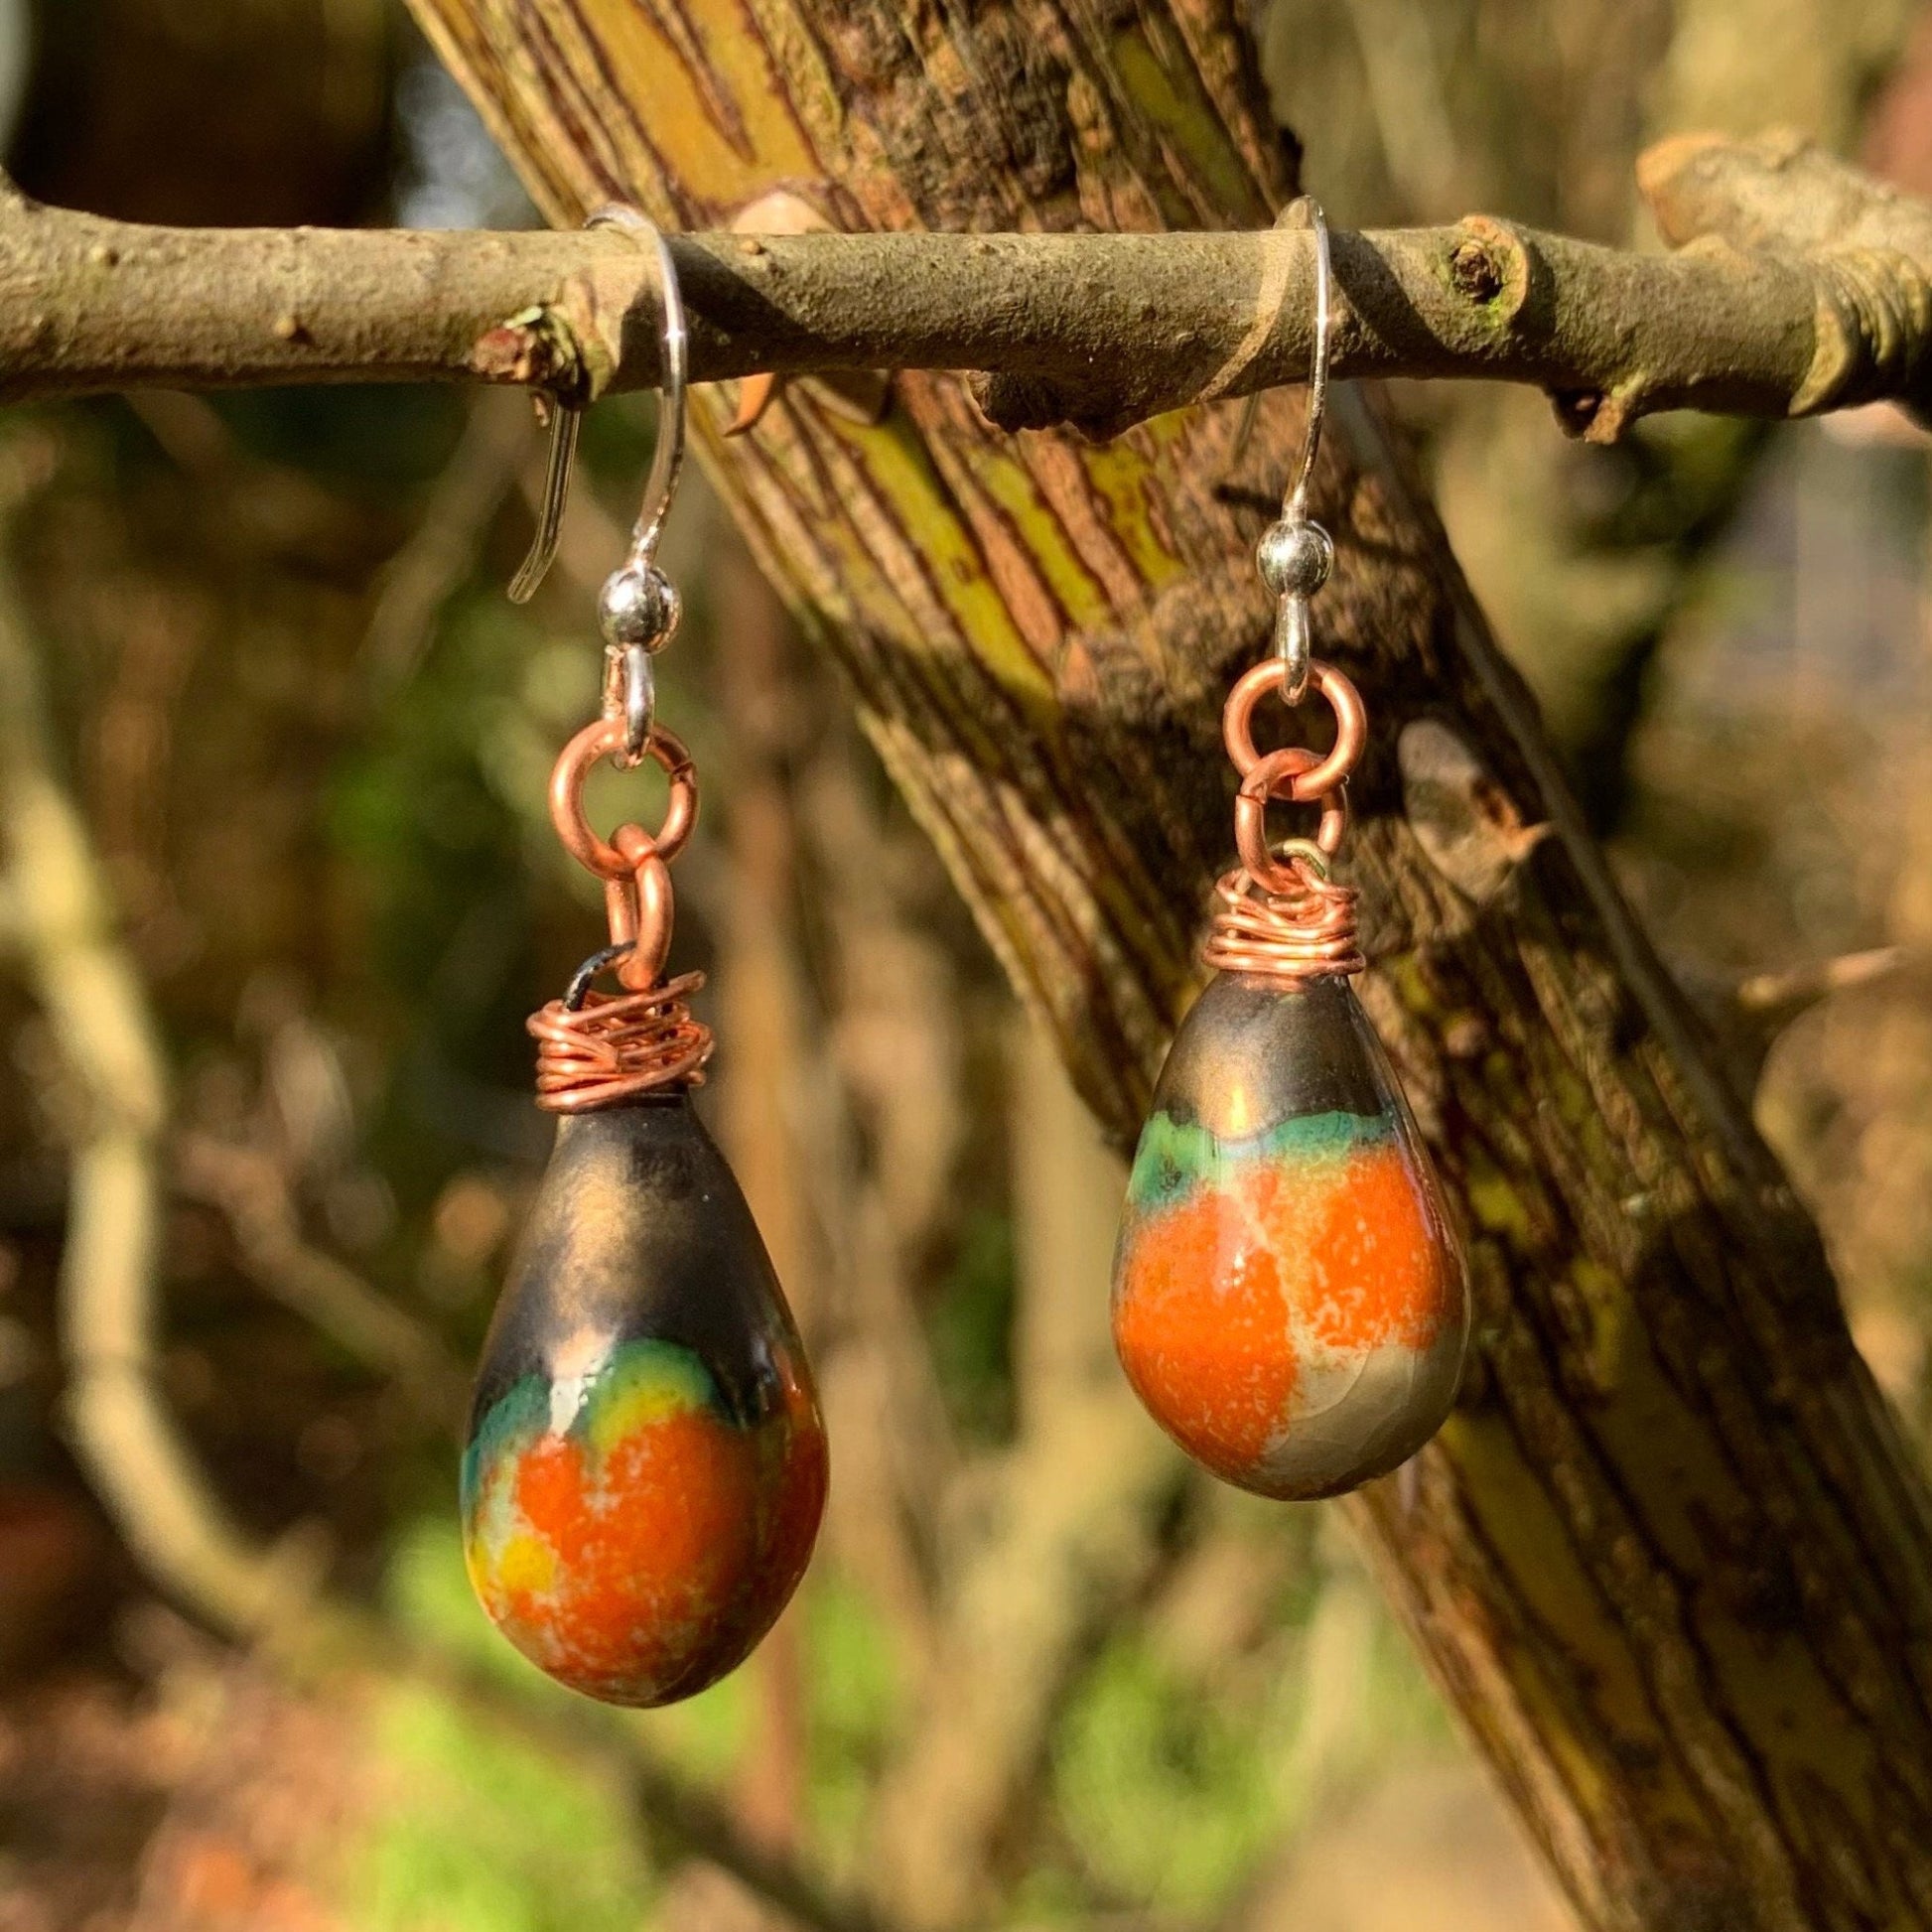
(614, 1046)
(599, 1049)
(1280, 913)
(1306, 934)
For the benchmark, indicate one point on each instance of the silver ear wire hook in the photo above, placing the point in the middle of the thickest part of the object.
(1296, 504)
(1295, 554)
(638, 607)
(667, 460)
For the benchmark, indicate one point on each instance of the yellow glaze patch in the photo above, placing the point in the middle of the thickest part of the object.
(526, 1564)
(641, 1399)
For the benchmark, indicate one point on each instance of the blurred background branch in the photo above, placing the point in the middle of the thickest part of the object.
(118, 1104)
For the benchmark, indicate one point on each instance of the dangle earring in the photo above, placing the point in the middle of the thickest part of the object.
(646, 1466)
(1290, 1300)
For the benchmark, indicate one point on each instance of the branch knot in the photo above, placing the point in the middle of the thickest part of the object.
(1873, 332)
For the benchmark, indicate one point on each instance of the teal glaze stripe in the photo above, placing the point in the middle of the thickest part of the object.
(1177, 1156)
(521, 1416)
(513, 1421)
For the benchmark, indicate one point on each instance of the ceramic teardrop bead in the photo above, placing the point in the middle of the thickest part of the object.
(1290, 1299)
(647, 1467)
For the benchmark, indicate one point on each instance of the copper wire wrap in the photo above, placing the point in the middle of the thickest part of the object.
(617, 1045)
(599, 1049)
(1279, 914)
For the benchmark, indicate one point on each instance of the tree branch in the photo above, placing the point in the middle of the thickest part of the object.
(1798, 285)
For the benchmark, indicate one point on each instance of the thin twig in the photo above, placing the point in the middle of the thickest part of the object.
(1809, 288)
(1778, 998)
(251, 1190)
(420, 578)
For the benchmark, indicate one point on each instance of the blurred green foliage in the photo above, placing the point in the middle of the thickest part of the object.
(477, 1832)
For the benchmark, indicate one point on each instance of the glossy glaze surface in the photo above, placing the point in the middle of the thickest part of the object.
(1289, 1301)
(646, 1466)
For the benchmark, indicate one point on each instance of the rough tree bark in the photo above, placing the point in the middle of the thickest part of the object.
(1670, 1559)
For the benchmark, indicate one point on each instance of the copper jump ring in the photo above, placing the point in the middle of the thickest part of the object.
(640, 908)
(603, 738)
(1263, 783)
(1351, 725)
(1280, 913)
